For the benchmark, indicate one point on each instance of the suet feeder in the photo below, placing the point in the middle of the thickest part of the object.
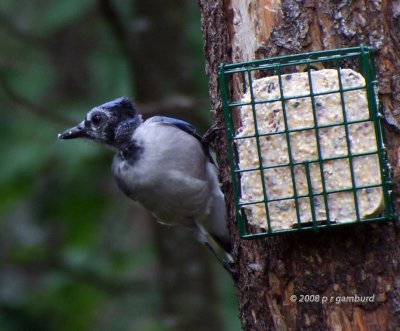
(305, 142)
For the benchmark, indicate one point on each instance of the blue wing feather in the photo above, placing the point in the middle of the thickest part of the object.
(184, 126)
(188, 128)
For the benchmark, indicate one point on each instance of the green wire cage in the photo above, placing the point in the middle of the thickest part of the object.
(305, 142)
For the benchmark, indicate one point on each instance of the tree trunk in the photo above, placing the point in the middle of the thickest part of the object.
(358, 260)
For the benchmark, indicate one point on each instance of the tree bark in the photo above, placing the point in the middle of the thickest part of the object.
(358, 260)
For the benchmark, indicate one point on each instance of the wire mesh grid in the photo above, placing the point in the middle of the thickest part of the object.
(305, 142)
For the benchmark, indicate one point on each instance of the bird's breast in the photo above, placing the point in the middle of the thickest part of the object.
(172, 195)
(168, 176)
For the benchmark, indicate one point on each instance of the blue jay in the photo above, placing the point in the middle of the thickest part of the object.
(163, 164)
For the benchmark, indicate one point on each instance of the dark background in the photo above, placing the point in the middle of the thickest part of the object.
(75, 253)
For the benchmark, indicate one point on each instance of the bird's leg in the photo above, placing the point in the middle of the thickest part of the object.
(210, 134)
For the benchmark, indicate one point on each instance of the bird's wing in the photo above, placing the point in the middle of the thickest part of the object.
(186, 127)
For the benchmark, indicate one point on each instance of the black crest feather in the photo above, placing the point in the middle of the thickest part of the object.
(122, 104)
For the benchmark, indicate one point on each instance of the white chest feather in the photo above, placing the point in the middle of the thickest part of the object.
(168, 175)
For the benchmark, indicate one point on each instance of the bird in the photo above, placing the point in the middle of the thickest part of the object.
(164, 165)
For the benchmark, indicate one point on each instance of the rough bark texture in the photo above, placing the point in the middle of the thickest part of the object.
(357, 260)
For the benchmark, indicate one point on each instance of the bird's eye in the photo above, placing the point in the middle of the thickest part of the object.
(96, 119)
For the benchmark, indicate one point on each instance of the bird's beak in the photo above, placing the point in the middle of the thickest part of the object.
(74, 132)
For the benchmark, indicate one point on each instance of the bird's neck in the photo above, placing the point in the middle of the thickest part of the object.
(124, 131)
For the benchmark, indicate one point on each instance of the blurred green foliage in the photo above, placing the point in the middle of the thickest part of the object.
(74, 253)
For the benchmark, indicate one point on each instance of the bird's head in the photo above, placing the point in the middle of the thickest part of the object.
(109, 123)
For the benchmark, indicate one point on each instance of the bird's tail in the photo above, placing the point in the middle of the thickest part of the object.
(212, 230)
(214, 244)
